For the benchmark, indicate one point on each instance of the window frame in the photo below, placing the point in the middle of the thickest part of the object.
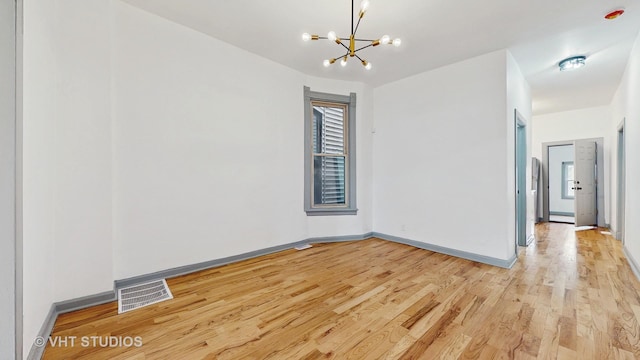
(349, 208)
(565, 186)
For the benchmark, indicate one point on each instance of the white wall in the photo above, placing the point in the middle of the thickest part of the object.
(557, 156)
(441, 143)
(625, 105)
(83, 239)
(67, 155)
(570, 125)
(7, 179)
(208, 149)
(39, 109)
(578, 124)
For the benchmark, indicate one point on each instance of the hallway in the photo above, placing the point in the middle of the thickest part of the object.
(590, 293)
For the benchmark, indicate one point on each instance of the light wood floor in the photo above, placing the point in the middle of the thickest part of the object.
(570, 295)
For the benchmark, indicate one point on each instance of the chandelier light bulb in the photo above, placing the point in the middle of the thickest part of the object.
(364, 5)
(385, 39)
(306, 37)
(343, 62)
(332, 36)
(368, 66)
(326, 63)
(397, 42)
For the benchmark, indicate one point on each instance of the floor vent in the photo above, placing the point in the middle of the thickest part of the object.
(139, 295)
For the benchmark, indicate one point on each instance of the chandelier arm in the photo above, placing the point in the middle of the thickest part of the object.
(346, 47)
(368, 40)
(364, 47)
(341, 56)
(359, 58)
(357, 25)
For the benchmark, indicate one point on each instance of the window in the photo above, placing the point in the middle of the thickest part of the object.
(567, 180)
(330, 173)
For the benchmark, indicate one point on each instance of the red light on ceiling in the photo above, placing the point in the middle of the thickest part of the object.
(614, 14)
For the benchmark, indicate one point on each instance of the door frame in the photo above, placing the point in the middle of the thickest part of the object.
(600, 177)
(520, 183)
(10, 180)
(621, 181)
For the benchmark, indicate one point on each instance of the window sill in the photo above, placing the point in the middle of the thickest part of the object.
(331, 212)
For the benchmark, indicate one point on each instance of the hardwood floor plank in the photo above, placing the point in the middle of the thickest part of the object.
(455, 347)
(399, 348)
(421, 311)
(571, 295)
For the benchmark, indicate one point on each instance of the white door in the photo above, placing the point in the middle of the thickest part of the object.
(585, 183)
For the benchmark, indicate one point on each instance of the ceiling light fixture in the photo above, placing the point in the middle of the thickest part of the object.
(572, 63)
(352, 40)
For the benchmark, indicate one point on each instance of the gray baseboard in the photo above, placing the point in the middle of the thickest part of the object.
(560, 213)
(329, 239)
(36, 352)
(507, 264)
(62, 307)
(85, 302)
(632, 263)
(188, 269)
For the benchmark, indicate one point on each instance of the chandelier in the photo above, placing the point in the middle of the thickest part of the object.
(351, 49)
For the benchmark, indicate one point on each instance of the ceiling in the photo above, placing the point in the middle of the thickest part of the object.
(538, 33)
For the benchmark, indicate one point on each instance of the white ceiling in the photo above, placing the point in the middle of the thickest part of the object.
(538, 33)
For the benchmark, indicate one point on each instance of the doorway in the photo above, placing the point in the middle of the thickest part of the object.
(561, 187)
(621, 183)
(593, 214)
(521, 180)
